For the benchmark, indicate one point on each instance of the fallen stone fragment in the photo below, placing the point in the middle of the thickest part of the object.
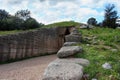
(67, 51)
(63, 71)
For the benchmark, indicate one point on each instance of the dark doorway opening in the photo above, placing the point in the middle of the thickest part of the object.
(67, 32)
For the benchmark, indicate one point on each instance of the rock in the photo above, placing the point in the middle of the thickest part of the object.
(91, 26)
(83, 26)
(80, 61)
(73, 38)
(86, 26)
(88, 38)
(70, 43)
(63, 71)
(87, 44)
(106, 66)
(67, 51)
(75, 32)
(114, 50)
(94, 79)
(117, 27)
(95, 37)
(95, 43)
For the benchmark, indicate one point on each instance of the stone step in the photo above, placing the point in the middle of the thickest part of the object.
(67, 51)
(63, 71)
(80, 61)
(70, 43)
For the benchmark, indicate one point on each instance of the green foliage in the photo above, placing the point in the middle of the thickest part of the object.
(10, 32)
(110, 16)
(21, 21)
(100, 53)
(31, 24)
(92, 21)
(3, 14)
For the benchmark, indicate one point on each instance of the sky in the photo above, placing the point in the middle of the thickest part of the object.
(50, 11)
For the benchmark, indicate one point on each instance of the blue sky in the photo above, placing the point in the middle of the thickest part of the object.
(50, 11)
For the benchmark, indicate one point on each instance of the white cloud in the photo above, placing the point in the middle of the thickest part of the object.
(48, 11)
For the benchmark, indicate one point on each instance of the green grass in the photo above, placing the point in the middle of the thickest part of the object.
(14, 31)
(100, 53)
(57, 24)
(63, 24)
(10, 32)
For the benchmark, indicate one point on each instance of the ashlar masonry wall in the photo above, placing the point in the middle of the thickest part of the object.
(32, 43)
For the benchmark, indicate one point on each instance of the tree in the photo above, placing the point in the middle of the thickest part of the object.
(30, 24)
(110, 16)
(23, 14)
(92, 21)
(3, 14)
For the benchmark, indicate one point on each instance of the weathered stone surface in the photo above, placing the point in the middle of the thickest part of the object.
(83, 62)
(73, 38)
(67, 51)
(70, 43)
(75, 32)
(63, 71)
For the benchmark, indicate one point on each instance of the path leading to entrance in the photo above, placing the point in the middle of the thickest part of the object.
(31, 69)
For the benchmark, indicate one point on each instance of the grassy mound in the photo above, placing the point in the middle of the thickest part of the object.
(63, 24)
(58, 24)
(101, 45)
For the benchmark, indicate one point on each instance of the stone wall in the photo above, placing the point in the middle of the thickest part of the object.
(32, 43)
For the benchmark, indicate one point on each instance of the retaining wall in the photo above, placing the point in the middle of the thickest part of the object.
(32, 43)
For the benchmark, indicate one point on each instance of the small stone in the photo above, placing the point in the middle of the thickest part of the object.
(95, 43)
(94, 79)
(114, 50)
(87, 44)
(95, 37)
(106, 66)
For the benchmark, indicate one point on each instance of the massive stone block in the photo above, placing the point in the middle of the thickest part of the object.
(63, 71)
(68, 51)
(75, 36)
(80, 61)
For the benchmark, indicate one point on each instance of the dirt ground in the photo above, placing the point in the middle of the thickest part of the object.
(31, 69)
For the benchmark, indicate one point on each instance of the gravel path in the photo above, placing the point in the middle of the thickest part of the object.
(31, 69)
